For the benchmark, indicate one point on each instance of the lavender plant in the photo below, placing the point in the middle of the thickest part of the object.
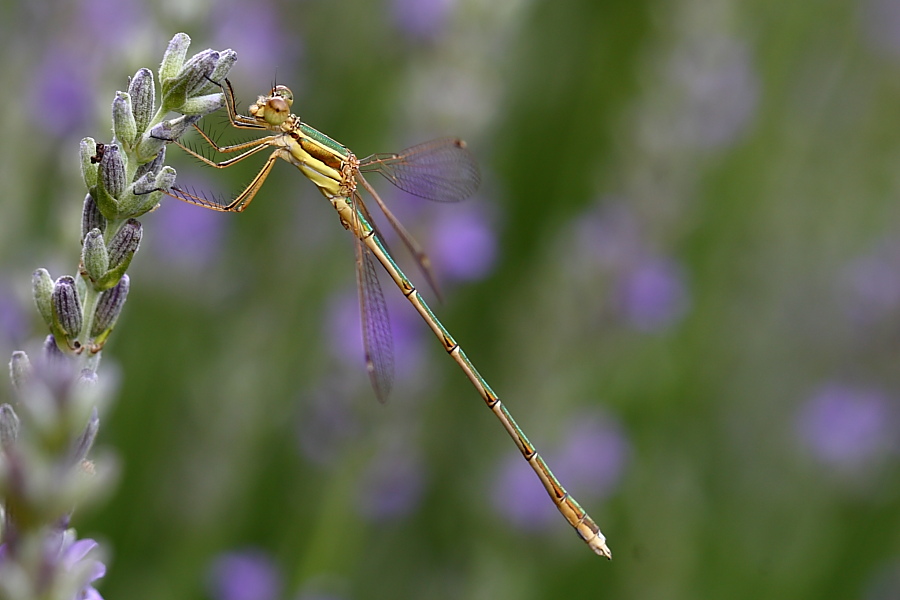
(47, 432)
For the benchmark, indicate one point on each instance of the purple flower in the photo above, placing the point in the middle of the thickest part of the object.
(74, 554)
(247, 574)
(652, 295)
(590, 464)
(463, 245)
(392, 485)
(422, 19)
(847, 427)
(66, 554)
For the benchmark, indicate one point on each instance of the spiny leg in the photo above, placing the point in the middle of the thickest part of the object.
(253, 145)
(232, 147)
(241, 201)
(237, 120)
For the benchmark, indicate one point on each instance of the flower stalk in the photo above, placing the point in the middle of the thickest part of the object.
(48, 431)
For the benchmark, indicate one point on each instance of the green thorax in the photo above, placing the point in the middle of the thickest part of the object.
(323, 139)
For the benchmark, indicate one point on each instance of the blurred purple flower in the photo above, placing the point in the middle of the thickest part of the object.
(847, 427)
(594, 455)
(392, 486)
(590, 464)
(423, 20)
(65, 553)
(248, 574)
(112, 20)
(722, 90)
(191, 237)
(652, 295)
(463, 245)
(873, 283)
(263, 40)
(880, 21)
(76, 552)
(61, 80)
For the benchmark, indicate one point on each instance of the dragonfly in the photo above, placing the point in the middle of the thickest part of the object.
(441, 170)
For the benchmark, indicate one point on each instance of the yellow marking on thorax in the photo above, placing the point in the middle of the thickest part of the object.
(325, 176)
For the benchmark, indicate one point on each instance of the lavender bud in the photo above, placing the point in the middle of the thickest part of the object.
(173, 58)
(162, 133)
(19, 369)
(91, 217)
(106, 204)
(151, 143)
(142, 197)
(94, 256)
(124, 244)
(227, 58)
(201, 66)
(202, 105)
(108, 309)
(88, 148)
(143, 97)
(143, 185)
(165, 179)
(112, 171)
(66, 306)
(175, 128)
(192, 77)
(124, 125)
(9, 426)
(42, 289)
(153, 166)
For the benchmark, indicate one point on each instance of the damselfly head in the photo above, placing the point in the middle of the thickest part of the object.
(275, 108)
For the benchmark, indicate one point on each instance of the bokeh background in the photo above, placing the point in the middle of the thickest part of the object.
(681, 273)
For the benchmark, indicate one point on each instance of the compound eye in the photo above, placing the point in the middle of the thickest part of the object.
(282, 91)
(277, 110)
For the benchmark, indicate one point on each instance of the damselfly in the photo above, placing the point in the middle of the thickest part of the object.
(441, 170)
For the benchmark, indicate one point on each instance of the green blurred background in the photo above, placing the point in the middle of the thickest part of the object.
(681, 274)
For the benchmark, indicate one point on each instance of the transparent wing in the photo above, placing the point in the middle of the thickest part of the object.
(376, 327)
(440, 170)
